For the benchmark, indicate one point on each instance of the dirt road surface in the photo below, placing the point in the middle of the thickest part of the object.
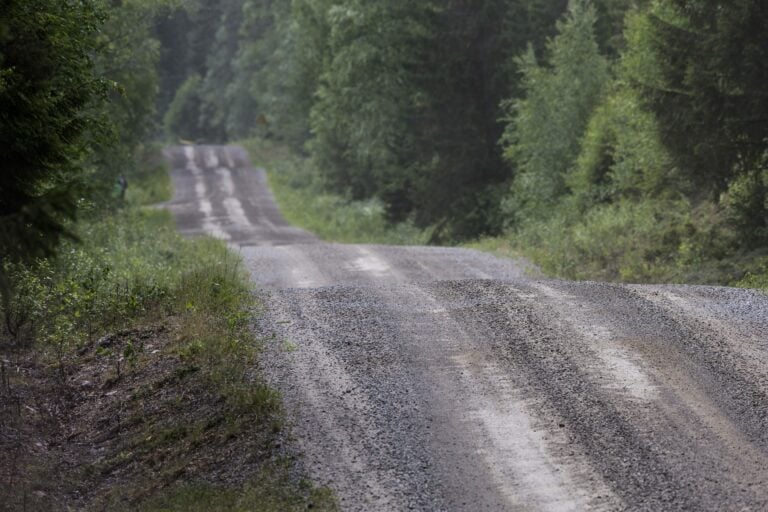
(427, 378)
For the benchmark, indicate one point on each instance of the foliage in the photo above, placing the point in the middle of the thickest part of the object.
(77, 85)
(543, 138)
(149, 183)
(702, 65)
(331, 217)
(182, 120)
(700, 68)
(366, 86)
(126, 56)
(756, 279)
(621, 155)
(128, 264)
(49, 100)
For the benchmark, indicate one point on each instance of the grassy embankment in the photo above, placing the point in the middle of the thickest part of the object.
(632, 247)
(331, 217)
(626, 243)
(129, 376)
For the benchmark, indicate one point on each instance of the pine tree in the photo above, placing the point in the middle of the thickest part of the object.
(700, 66)
(545, 127)
(49, 104)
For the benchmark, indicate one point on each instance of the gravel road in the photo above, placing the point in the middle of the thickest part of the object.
(427, 378)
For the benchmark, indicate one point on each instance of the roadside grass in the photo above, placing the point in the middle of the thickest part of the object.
(331, 217)
(757, 278)
(659, 241)
(149, 183)
(142, 342)
(267, 492)
(501, 247)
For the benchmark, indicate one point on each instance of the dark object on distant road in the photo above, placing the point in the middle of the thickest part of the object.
(120, 187)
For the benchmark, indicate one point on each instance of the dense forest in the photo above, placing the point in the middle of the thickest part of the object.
(613, 139)
(618, 140)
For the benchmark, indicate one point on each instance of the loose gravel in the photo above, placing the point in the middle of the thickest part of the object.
(426, 378)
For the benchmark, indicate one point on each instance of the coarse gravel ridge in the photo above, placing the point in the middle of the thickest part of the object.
(428, 378)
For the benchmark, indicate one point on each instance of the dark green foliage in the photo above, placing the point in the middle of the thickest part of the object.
(182, 119)
(543, 138)
(77, 85)
(47, 96)
(407, 108)
(369, 93)
(216, 101)
(126, 57)
(701, 68)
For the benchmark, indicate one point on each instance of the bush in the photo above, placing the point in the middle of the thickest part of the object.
(126, 266)
(625, 241)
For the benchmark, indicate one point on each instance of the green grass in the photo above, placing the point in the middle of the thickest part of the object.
(149, 183)
(268, 492)
(758, 278)
(129, 270)
(653, 241)
(331, 217)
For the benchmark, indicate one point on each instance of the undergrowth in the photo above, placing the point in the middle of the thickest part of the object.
(266, 492)
(660, 241)
(333, 218)
(125, 271)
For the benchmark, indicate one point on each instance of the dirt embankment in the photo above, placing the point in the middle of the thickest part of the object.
(117, 427)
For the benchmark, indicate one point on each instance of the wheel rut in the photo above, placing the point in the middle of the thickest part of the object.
(426, 378)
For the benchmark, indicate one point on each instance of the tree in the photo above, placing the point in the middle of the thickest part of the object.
(545, 127)
(369, 94)
(49, 107)
(182, 119)
(217, 105)
(126, 56)
(407, 107)
(700, 66)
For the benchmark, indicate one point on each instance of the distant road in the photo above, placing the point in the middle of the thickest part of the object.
(430, 378)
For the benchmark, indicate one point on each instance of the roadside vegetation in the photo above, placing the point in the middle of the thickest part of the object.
(603, 139)
(335, 218)
(133, 353)
(129, 367)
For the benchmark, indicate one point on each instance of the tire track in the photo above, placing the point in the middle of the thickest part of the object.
(424, 378)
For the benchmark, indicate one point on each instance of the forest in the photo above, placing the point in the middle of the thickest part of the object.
(605, 139)
(608, 140)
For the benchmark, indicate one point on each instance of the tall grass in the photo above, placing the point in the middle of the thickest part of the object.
(304, 203)
(127, 271)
